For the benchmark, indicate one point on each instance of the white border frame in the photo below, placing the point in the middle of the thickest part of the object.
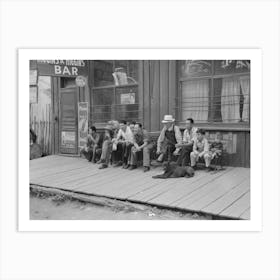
(254, 224)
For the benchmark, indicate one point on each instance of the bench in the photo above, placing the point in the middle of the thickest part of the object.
(219, 162)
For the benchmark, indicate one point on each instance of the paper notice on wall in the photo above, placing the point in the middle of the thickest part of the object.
(128, 98)
(68, 139)
(83, 123)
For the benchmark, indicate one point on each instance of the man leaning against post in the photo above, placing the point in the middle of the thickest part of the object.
(189, 137)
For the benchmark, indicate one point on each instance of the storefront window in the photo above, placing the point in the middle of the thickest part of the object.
(103, 70)
(231, 99)
(115, 90)
(127, 104)
(193, 68)
(231, 66)
(223, 97)
(195, 100)
(125, 72)
(102, 104)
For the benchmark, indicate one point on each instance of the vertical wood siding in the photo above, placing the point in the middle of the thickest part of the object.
(159, 92)
(40, 121)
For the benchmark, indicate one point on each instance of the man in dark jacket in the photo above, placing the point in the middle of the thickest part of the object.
(89, 151)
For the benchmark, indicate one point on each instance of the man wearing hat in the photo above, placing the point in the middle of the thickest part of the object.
(170, 136)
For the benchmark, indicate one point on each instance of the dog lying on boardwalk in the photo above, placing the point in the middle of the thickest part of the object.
(171, 170)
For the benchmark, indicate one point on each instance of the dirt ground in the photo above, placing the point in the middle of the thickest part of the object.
(56, 207)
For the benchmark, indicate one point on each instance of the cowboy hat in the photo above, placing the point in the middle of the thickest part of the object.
(167, 119)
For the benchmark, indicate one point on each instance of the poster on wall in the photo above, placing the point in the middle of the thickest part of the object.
(68, 139)
(128, 98)
(83, 123)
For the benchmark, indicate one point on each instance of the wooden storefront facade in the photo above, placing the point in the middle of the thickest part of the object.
(143, 91)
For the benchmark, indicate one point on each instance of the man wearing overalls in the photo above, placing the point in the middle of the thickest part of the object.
(168, 138)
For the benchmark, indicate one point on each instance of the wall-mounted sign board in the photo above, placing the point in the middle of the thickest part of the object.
(63, 68)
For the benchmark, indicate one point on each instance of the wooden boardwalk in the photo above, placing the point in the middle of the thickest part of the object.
(225, 194)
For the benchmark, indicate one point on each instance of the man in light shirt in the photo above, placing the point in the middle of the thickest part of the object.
(123, 143)
(189, 137)
(170, 136)
(200, 149)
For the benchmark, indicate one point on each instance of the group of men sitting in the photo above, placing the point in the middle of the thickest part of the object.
(126, 144)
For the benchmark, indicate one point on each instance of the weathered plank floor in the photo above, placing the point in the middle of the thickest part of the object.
(225, 193)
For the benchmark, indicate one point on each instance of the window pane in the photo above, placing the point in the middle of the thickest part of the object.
(195, 100)
(103, 73)
(125, 72)
(127, 103)
(231, 100)
(231, 66)
(216, 115)
(192, 68)
(245, 98)
(102, 105)
(44, 89)
(235, 99)
(66, 82)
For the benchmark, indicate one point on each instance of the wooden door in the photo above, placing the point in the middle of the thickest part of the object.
(68, 120)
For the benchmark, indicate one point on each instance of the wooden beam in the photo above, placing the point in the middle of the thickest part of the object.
(141, 89)
(172, 87)
(164, 88)
(155, 97)
(146, 95)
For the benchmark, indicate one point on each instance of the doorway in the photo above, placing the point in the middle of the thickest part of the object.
(68, 116)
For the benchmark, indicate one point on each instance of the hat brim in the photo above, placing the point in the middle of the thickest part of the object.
(164, 121)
